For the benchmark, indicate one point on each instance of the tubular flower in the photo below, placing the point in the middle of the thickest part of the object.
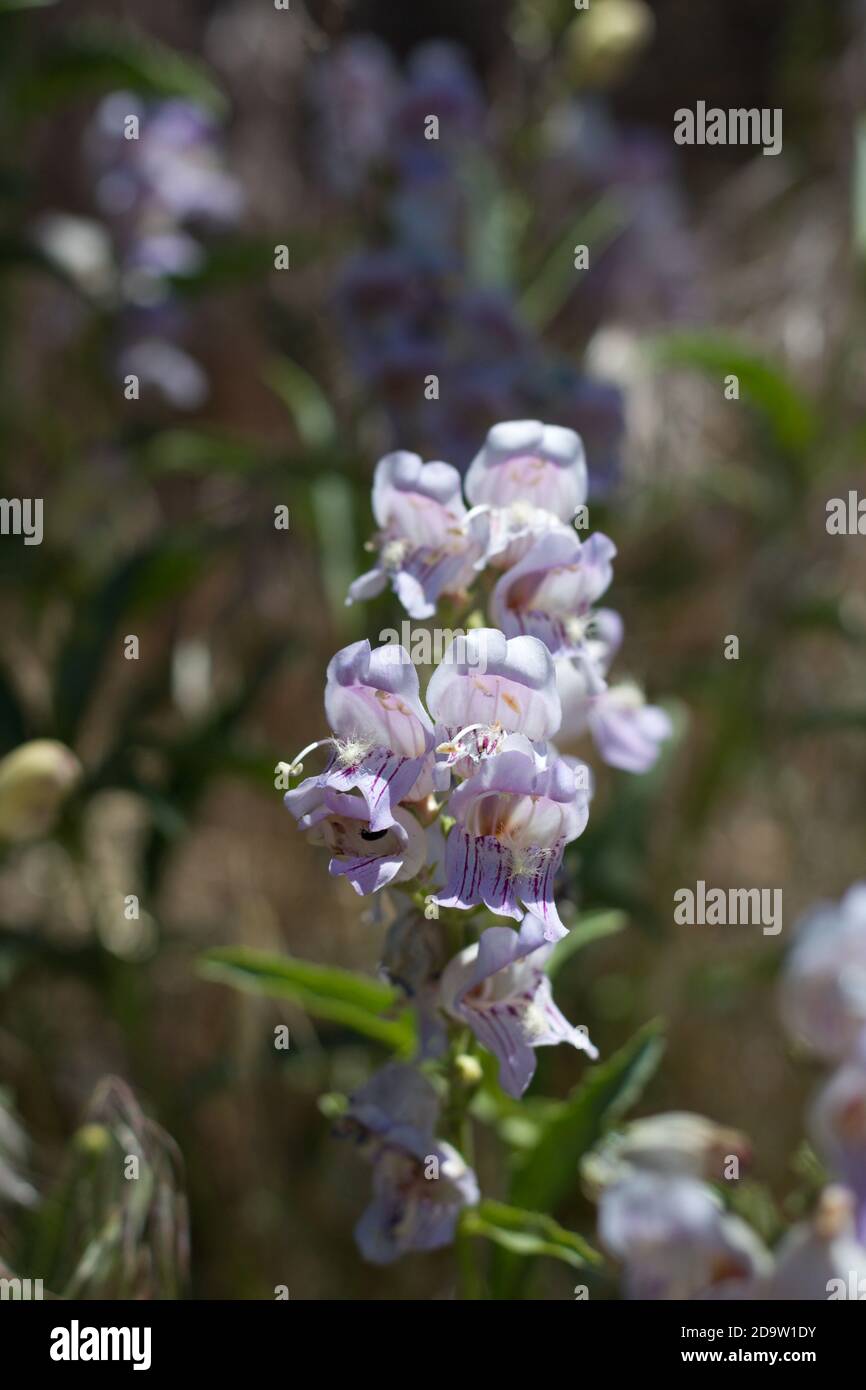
(498, 986)
(368, 858)
(382, 735)
(420, 1184)
(675, 1240)
(823, 995)
(514, 817)
(676, 1144)
(838, 1127)
(822, 1257)
(533, 477)
(550, 592)
(627, 732)
(428, 545)
(488, 687)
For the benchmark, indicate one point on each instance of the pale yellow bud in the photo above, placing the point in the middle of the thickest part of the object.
(35, 780)
(468, 1069)
(603, 40)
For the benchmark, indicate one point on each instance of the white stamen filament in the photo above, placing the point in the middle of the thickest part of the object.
(296, 766)
(349, 751)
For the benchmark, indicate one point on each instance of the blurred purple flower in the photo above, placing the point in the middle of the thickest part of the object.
(837, 1124)
(420, 1184)
(675, 1240)
(823, 992)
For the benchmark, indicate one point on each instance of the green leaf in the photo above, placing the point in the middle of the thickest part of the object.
(591, 926)
(324, 991)
(197, 451)
(98, 57)
(791, 420)
(497, 220)
(333, 506)
(550, 1170)
(305, 400)
(545, 1173)
(596, 227)
(527, 1233)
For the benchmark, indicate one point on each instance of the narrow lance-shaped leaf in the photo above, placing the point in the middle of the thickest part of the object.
(323, 991)
(528, 1233)
(779, 400)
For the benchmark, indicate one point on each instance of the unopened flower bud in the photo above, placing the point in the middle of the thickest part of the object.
(92, 1140)
(35, 780)
(468, 1069)
(603, 41)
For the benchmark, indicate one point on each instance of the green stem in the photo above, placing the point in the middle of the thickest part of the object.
(460, 1131)
(471, 1283)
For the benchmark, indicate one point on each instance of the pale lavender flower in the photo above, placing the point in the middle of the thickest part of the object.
(428, 544)
(534, 478)
(383, 736)
(514, 817)
(487, 687)
(823, 994)
(498, 987)
(549, 593)
(837, 1124)
(673, 1144)
(173, 172)
(353, 91)
(164, 367)
(411, 1210)
(626, 730)
(821, 1258)
(674, 1240)
(420, 1184)
(370, 859)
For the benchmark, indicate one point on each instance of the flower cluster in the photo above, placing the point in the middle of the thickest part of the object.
(417, 304)
(463, 801)
(660, 1213)
(662, 1219)
(159, 173)
(823, 1003)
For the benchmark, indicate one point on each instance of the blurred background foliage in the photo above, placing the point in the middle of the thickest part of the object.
(145, 829)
